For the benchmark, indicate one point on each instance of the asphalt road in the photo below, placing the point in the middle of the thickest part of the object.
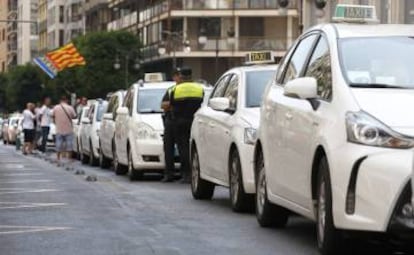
(45, 209)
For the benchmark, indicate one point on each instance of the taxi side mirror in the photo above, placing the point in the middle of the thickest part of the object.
(219, 103)
(302, 88)
(108, 116)
(122, 111)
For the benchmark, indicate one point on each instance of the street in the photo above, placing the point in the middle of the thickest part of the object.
(45, 209)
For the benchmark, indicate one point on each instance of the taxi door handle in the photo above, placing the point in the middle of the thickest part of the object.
(211, 124)
(200, 121)
(288, 116)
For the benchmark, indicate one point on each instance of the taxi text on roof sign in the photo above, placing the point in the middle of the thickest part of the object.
(154, 77)
(355, 13)
(260, 57)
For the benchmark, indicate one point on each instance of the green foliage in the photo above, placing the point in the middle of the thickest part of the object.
(99, 77)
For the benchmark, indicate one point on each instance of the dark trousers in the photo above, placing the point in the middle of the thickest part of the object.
(45, 134)
(169, 148)
(182, 129)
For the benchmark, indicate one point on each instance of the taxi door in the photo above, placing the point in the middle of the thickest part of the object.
(221, 124)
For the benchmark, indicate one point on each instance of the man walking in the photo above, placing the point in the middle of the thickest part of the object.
(169, 140)
(186, 99)
(45, 121)
(63, 114)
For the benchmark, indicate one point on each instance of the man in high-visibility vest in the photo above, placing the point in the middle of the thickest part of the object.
(169, 139)
(186, 99)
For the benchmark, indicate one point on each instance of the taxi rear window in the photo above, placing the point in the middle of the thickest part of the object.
(256, 82)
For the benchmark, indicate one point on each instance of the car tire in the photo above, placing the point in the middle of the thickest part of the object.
(92, 159)
(330, 240)
(133, 174)
(104, 162)
(83, 157)
(240, 200)
(118, 168)
(201, 189)
(267, 214)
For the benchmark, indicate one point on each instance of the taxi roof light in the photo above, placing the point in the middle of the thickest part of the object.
(355, 13)
(154, 77)
(260, 57)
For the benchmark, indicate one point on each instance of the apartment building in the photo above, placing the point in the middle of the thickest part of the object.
(210, 35)
(3, 36)
(27, 34)
(74, 19)
(97, 15)
(11, 33)
(42, 26)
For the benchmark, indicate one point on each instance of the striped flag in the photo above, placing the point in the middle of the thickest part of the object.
(60, 59)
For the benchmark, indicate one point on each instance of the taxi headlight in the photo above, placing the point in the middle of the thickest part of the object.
(250, 135)
(146, 132)
(362, 128)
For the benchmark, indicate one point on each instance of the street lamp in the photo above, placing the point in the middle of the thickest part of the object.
(117, 65)
(203, 39)
(174, 40)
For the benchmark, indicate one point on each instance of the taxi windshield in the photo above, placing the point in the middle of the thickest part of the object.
(256, 82)
(378, 62)
(149, 100)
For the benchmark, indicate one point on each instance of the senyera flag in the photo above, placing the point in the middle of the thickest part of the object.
(60, 59)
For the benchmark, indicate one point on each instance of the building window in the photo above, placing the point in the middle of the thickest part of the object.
(210, 26)
(409, 12)
(252, 27)
(61, 37)
(61, 14)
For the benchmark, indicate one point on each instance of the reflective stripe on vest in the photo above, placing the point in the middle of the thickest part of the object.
(188, 90)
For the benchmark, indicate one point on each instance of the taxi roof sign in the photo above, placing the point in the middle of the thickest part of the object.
(260, 57)
(355, 13)
(154, 77)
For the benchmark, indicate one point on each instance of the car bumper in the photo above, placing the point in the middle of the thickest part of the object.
(367, 184)
(247, 164)
(149, 155)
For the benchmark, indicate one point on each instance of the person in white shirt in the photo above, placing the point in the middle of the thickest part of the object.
(45, 116)
(28, 128)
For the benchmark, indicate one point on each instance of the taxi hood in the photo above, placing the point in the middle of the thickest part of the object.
(251, 116)
(153, 120)
(391, 106)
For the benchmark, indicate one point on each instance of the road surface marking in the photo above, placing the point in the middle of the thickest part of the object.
(16, 205)
(7, 230)
(24, 181)
(20, 174)
(20, 191)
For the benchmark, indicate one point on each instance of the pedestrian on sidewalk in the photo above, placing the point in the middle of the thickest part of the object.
(63, 115)
(186, 99)
(28, 126)
(45, 121)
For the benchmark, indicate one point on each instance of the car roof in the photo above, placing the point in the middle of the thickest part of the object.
(348, 30)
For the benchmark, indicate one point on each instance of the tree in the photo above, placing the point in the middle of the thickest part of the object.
(98, 77)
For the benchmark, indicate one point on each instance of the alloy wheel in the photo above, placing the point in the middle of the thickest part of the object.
(321, 213)
(234, 180)
(195, 171)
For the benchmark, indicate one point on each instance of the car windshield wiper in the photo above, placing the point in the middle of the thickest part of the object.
(376, 86)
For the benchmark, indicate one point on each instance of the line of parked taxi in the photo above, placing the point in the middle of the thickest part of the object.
(325, 134)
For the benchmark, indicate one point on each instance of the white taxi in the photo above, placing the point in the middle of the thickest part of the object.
(89, 132)
(107, 133)
(230, 118)
(336, 135)
(139, 130)
(77, 127)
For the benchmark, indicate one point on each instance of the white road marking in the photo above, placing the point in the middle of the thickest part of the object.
(20, 174)
(20, 191)
(17, 166)
(16, 205)
(7, 230)
(24, 181)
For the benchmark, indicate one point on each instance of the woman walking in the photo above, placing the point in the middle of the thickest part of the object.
(29, 128)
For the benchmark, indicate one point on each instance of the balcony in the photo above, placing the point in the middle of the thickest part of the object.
(239, 47)
(227, 4)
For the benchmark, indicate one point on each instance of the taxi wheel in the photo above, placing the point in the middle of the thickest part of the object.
(132, 173)
(267, 214)
(103, 161)
(118, 168)
(240, 200)
(330, 239)
(92, 159)
(201, 189)
(83, 157)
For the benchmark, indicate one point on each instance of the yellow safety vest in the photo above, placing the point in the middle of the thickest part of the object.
(187, 90)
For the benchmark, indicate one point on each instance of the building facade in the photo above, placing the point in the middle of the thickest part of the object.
(42, 26)
(97, 15)
(210, 36)
(3, 36)
(27, 34)
(11, 33)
